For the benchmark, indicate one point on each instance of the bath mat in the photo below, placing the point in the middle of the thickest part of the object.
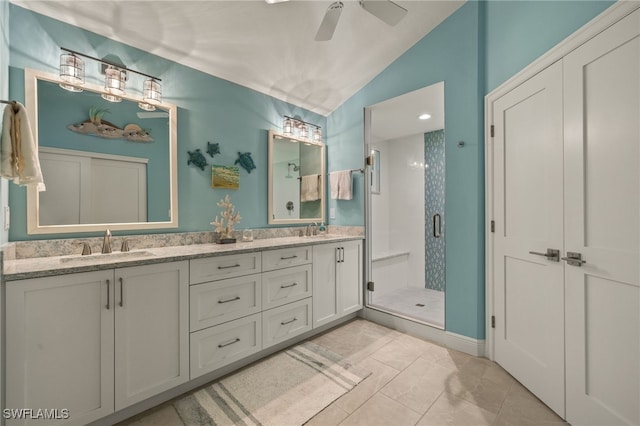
(287, 388)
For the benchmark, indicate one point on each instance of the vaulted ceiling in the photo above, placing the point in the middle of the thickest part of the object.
(266, 47)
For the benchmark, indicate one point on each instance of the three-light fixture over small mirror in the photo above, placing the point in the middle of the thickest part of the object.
(72, 71)
(291, 126)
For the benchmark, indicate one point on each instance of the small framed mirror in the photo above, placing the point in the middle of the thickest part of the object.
(104, 164)
(296, 180)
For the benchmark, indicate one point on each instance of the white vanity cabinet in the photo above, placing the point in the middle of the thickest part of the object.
(337, 280)
(96, 342)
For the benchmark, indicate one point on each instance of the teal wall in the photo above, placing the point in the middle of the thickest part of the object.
(475, 50)
(209, 109)
(518, 32)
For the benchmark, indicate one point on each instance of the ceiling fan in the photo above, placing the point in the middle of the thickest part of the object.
(385, 10)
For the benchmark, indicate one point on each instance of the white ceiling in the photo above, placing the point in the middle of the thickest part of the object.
(398, 117)
(266, 47)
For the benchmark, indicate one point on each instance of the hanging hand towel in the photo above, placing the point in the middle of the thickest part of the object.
(344, 185)
(309, 188)
(340, 183)
(19, 152)
(333, 184)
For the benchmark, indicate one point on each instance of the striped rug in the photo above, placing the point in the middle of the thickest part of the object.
(287, 388)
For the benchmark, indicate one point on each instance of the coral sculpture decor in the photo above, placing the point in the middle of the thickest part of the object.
(224, 225)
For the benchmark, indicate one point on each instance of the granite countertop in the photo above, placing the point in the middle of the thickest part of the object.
(58, 265)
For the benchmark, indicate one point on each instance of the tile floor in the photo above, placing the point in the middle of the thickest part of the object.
(413, 382)
(406, 301)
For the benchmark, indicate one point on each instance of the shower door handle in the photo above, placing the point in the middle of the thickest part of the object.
(437, 225)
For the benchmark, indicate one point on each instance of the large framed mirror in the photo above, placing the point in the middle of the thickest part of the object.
(296, 180)
(105, 165)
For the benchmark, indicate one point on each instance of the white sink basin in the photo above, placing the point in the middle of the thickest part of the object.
(106, 256)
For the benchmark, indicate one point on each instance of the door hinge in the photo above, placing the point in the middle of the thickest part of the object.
(493, 226)
(493, 130)
(369, 160)
(370, 286)
(493, 321)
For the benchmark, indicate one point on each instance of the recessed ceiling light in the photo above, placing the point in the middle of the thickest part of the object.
(424, 116)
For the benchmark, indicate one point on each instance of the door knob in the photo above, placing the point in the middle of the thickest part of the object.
(574, 259)
(551, 254)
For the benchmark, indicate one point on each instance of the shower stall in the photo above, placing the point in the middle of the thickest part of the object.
(406, 205)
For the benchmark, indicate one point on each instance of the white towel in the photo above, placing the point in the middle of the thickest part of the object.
(309, 188)
(19, 154)
(340, 183)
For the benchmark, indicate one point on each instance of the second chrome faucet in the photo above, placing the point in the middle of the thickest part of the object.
(106, 243)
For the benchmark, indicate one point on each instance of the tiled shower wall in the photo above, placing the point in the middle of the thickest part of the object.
(434, 204)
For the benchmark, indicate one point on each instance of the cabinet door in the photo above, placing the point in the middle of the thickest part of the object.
(59, 346)
(326, 304)
(350, 277)
(152, 330)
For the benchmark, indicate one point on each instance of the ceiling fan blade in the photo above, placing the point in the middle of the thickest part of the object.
(329, 22)
(385, 10)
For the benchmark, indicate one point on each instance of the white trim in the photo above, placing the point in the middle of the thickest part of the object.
(610, 16)
(74, 153)
(451, 340)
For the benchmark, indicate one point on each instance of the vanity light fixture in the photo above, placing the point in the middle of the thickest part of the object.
(287, 127)
(291, 124)
(304, 131)
(114, 84)
(317, 135)
(115, 77)
(71, 72)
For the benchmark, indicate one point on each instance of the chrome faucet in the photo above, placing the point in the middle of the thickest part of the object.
(315, 229)
(106, 243)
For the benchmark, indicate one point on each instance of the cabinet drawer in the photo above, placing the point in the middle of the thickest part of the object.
(215, 347)
(220, 267)
(225, 300)
(285, 286)
(284, 258)
(285, 322)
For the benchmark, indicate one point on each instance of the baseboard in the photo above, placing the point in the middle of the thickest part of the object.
(465, 344)
(451, 340)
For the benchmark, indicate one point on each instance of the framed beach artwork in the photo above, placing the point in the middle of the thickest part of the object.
(225, 177)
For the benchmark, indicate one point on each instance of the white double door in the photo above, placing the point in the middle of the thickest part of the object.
(566, 177)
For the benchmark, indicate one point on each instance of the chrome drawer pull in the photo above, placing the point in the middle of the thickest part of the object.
(229, 300)
(288, 258)
(222, 345)
(289, 285)
(227, 267)
(121, 293)
(289, 322)
(108, 295)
